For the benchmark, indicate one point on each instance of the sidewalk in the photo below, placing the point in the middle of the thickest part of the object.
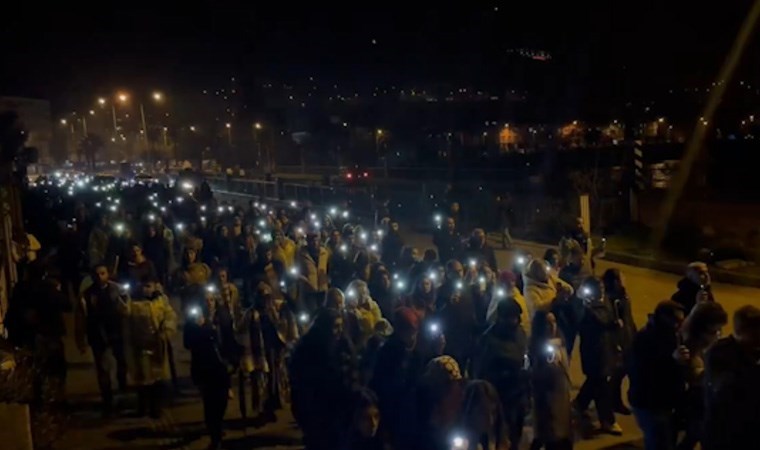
(636, 256)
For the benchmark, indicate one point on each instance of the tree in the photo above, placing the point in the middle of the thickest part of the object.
(89, 147)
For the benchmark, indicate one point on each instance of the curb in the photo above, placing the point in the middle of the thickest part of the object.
(717, 274)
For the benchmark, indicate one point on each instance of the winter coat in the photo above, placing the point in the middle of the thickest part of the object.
(539, 295)
(207, 366)
(485, 254)
(150, 325)
(460, 327)
(155, 251)
(97, 246)
(657, 380)
(315, 272)
(391, 248)
(622, 309)
(687, 292)
(367, 317)
(600, 355)
(449, 245)
(501, 362)
(285, 252)
(732, 398)
(99, 316)
(550, 381)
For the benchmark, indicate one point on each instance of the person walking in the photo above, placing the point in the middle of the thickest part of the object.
(617, 297)
(657, 373)
(151, 322)
(99, 319)
(209, 371)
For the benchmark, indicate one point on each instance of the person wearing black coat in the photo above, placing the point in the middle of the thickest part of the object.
(209, 372)
(391, 246)
(448, 241)
(480, 250)
(657, 372)
(732, 400)
(600, 356)
(695, 284)
(501, 361)
(617, 297)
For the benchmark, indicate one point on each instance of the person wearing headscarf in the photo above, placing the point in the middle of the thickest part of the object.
(364, 309)
(440, 396)
(550, 381)
(482, 420)
(272, 332)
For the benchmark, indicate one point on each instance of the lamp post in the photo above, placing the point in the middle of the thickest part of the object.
(257, 139)
(229, 132)
(378, 135)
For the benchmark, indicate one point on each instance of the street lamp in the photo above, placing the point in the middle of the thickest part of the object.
(122, 97)
(63, 121)
(101, 101)
(157, 96)
(378, 134)
(257, 125)
(229, 132)
(192, 128)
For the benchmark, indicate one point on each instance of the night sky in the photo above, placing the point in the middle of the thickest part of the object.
(74, 50)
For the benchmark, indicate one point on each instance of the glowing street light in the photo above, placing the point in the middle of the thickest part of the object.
(101, 101)
(157, 96)
(192, 127)
(122, 97)
(257, 125)
(229, 132)
(63, 122)
(92, 113)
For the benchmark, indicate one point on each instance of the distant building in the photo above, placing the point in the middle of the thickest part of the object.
(34, 115)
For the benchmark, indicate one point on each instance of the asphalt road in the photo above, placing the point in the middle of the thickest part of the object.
(182, 426)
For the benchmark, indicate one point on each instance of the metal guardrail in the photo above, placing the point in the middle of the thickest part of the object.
(413, 204)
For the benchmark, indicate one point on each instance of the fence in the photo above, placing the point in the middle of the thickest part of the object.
(531, 215)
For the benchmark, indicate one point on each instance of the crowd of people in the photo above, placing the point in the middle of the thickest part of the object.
(371, 342)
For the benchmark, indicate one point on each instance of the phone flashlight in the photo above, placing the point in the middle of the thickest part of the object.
(303, 318)
(211, 288)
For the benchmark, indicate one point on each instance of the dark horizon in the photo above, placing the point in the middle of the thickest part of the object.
(65, 55)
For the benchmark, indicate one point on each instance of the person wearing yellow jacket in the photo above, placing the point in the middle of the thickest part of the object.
(311, 270)
(363, 311)
(150, 323)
